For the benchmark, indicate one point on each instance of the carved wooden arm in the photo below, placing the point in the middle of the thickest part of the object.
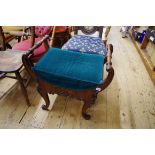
(26, 58)
(109, 69)
(39, 43)
(109, 57)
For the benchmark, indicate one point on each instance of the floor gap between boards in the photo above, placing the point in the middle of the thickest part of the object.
(23, 115)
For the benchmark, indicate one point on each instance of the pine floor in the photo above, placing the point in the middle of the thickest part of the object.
(129, 102)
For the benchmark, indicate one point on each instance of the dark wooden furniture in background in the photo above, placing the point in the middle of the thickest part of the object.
(11, 62)
(36, 33)
(143, 52)
(149, 37)
(13, 32)
(61, 36)
(88, 30)
(88, 96)
(145, 42)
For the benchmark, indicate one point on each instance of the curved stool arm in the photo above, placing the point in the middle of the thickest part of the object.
(109, 69)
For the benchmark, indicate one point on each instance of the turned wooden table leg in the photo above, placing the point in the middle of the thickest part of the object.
(44, 94)
(23, 88)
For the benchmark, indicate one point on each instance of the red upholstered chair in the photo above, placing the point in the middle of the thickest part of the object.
(37, 33)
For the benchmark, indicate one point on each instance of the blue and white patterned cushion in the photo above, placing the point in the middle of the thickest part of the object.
(88, 44)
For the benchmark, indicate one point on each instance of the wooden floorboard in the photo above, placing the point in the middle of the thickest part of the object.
(137, 84)
(129, 102)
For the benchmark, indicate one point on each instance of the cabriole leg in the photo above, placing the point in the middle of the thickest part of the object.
(45, 97)
(86, 105)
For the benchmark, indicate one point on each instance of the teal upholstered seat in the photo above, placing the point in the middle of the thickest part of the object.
(72, 70)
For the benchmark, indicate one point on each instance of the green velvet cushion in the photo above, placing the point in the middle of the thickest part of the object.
(72, 70)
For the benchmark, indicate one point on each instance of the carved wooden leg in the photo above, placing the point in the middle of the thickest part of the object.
(23, 88)
(86, 105)
(94, 98)
(45, 97)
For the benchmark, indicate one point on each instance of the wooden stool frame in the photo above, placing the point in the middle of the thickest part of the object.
(87, 96)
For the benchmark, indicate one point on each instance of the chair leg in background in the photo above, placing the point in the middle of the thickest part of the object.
(23, 88)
